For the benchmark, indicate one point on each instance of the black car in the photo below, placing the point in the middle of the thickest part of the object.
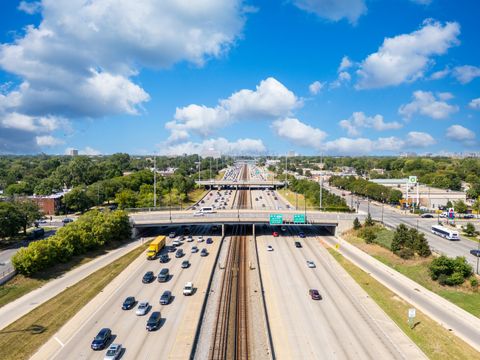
(426, 216)
(148, 277)
(153, 322)
(204, 252)
(164, 258)
(185, 264)
(166, 297)
(468, 216)
(101, 340)
(128, 303)
(298, 244)
(475, 252)
(171, 248)
(163, 275)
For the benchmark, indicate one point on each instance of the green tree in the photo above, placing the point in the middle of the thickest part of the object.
(469, 229)
(78, 200)
(421, 245)
(369, 220)
(29, 212)
(126, 199)
(400, 237)
(356, 224)
(10, 220)
(460, 207)
(449, 204)
(368, 234)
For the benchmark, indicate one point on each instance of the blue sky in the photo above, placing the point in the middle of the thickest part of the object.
(235, 77)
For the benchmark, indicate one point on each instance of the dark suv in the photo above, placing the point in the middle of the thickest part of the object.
(164, 258)
(101, 340)
(166, 297)
(179, 253)
(298, 244)
(148, 277)
(128, 303)
(153, 322)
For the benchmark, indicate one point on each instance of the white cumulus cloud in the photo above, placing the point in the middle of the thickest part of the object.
(475, 104)
(334, 10)
(30, 8)
(48, 140)
(426, 103)
(359, 120)
(270, 100)
(420, 139)
(466, 73)
(315, 87)
(299, 133)
(405, 58)
(218, 145)
(460, 133)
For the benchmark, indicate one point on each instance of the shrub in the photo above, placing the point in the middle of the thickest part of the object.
(449, 271)
(405, 253)
(356, 224)
(369, 220)
(368, 234)
(474, 282)
(469, 229)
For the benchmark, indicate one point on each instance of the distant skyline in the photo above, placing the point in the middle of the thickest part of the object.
(350, 77)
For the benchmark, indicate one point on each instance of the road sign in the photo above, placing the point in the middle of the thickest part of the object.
(276, 219)
(411, 312)
(412, 179)
(299, 218)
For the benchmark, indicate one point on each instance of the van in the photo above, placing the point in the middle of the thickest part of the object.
(163, 275)
(188, 289)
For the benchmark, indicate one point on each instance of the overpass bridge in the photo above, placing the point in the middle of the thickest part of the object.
(329, 221)
(240, 184)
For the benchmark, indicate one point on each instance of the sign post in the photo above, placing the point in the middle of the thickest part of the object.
(276, 219)
(411, 317)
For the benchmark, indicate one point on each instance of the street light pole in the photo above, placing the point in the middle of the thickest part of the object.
(154, 181)
(321, 192)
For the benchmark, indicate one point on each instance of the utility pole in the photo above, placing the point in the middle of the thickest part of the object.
(154, 181)
(478, 257)
(199, 166)
(321, 193)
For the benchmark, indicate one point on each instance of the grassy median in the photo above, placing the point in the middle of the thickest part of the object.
(25, 336)
(434, 340)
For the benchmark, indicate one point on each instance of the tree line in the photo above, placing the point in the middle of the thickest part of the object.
(91, 231)
(311, 191)
(17, 215)
(368, 189)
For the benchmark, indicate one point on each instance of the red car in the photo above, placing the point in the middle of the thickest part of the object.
(315, 294)
(275, 234)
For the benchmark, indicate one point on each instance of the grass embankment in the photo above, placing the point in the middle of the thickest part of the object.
(20, 285)
(195, 195)
(294, 198)
(434, 340)
(25, 336)
(416, 269)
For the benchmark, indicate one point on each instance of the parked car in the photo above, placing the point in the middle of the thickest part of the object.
(188, 289)
(179, 253)
(426, 216)
(298, 244)
(100, 341)
(128, 303)
(475, 252)
(113, 352)
(164, 258)
(275, 234)
(142, 308)
(166, 297)
(209, 241)
(310, 264)
(194, 249)
(163, 275)
(185, 264)
(204, 252)
(301, 235)
(315, 295)
(153, 322)
(148, 277)
(269, 248)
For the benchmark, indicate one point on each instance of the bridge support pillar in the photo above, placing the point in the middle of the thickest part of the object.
(135, 233)
(223, 230)
(253, 230)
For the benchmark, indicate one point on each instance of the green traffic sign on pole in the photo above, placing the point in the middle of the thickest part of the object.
(299, 218)
(276, 219)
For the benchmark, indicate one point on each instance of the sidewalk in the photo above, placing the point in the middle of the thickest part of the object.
(23, 305)
(463, 324)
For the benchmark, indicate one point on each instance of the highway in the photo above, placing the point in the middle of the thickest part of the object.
(129, 329)
(394, 217)
(345, 324)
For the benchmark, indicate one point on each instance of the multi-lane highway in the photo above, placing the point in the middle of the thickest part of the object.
(345, 324)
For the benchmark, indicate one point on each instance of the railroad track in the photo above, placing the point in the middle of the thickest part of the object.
(231, 333)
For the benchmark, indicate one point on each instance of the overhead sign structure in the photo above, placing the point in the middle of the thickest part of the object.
(299, 218)
(276, 219)
(412, 179)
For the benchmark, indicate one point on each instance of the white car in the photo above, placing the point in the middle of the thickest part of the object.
(142, 308)
(190, 238)
(310, 264)
(188, 289)
(269, 248)
(200, 239)
(113, 352)
(176, 243)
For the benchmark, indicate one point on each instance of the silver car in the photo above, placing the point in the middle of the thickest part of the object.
(194, 249)
(113, 352)
(310, 264)
(142, 308)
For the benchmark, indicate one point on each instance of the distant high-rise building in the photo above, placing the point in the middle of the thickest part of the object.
(73, 152)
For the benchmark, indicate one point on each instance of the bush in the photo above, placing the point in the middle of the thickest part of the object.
(474, 282)
(356, 224)
(368, 234)
(449, 271)
(91, 231)
(469, 229)
(405, 253)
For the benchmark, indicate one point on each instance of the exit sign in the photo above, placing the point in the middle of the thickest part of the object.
(299, 218)
(276, 219)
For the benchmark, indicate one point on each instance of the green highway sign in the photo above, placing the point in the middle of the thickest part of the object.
(276, 219)
(299, 218)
